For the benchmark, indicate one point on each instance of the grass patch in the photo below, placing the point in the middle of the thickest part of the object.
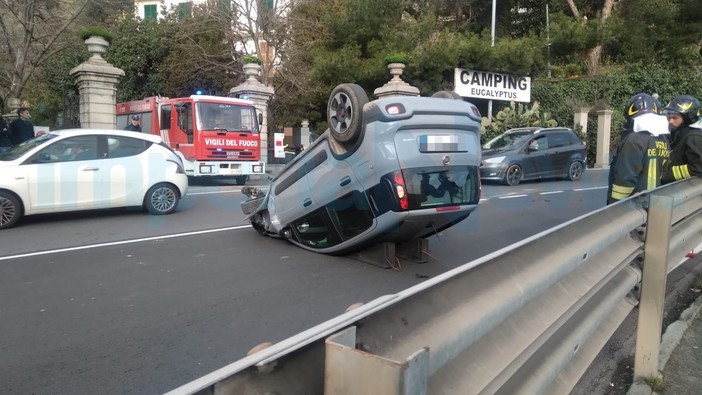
(698, 283)
(656, 383)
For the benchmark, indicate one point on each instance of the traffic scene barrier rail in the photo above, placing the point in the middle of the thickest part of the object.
(526, 319)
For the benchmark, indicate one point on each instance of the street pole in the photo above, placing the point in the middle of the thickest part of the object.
(548, 46)
(492, 44)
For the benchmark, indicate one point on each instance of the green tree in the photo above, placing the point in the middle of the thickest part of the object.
(140, 48)
(32, 32)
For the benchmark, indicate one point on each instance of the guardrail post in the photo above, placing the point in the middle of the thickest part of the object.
(648, 334)
(349, 371)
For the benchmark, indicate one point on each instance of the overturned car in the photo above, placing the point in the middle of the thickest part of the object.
(390, 170)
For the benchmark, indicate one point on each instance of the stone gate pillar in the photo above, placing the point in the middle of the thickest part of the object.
(305, 136)
(580, 119)
(97, 86)
(261, 95)
(396, 86)
(604, 132)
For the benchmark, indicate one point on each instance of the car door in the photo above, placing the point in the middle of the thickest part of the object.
(290, 196)
(537, 161)
(561, 150)
(66, 175)
(128, 165)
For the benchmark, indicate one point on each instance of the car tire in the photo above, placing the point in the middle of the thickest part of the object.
(161, 199)
(345, 112)
(575, 170)
(513, 175)
(447, 95)
(10, 210)
(241, 180)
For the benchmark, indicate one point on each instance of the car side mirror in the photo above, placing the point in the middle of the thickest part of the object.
(532, 148)
(260, 119)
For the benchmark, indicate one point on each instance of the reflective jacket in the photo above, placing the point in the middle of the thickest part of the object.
(640, 158)
(685, 156)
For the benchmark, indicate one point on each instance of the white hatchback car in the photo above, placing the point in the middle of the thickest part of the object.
(86, 169)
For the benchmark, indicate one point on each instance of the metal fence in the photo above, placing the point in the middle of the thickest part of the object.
(527, 319)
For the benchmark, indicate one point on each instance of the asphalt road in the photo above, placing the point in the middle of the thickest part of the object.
(120, 302)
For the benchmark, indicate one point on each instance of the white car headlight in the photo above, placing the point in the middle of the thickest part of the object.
(497, 159)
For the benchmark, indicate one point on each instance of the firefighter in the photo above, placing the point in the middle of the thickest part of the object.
(642, 151)
(134, 124)
(686, 141)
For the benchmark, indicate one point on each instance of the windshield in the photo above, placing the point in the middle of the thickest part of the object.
(226, 117)
(507, 140)
(19, 150)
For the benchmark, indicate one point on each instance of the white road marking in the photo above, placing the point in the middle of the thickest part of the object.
(113, 243)
(550, 192)
(213, 192)
(511, 196)
(589, 189)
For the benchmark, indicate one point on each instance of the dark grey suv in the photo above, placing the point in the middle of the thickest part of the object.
(533, 153)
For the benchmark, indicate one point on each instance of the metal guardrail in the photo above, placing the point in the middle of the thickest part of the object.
(526, 319)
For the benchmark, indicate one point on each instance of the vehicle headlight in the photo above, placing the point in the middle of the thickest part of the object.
(497, 159)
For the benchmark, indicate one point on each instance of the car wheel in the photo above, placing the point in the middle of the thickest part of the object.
(513, 175)
(161, 199)
(447, 95)
(10, 210)
(345, 112)
(575, 170)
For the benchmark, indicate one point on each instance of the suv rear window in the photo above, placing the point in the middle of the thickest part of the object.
(441, 186)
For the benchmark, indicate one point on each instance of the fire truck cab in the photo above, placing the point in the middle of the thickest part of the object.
(215, 136)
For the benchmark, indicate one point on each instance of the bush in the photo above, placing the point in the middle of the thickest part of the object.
(399, 57)
(87, 32)
(250, 59)
(572, 70)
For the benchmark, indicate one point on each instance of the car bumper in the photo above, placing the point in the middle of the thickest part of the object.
(493, 172)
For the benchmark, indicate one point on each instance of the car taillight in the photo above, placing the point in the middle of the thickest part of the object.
(400, 191)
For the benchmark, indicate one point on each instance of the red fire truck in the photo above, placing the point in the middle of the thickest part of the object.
(215, 136)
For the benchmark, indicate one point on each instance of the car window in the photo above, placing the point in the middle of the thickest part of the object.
(351, 214)
(574, 138)
(540, 143)
(556, 140)
(437, 186)
(68, 150)
(507, 140)
(19, 150)
(315, 230)
(119, 146)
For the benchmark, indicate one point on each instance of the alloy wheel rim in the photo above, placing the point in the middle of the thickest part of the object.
(163, 199)
(340, 113)
(7, 211)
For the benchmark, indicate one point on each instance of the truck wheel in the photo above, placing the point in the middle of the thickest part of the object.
(161, 199)
(447, 95)
(10, 210)
(241, 180)
(345, 112)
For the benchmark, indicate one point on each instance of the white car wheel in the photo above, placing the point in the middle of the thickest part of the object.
(10, 210)
(161, 199)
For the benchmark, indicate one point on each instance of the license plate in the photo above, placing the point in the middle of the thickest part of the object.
(438, 143)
